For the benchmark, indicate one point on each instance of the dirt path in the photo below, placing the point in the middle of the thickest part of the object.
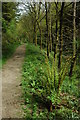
(11, 89)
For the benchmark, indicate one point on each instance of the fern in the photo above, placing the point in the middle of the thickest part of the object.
(63, 72)
(55, 77)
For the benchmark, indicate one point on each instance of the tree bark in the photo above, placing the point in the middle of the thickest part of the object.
(56, 40)
(50, 37)
(73, 61)
(74, 28)
(47, 36)
(60, 38)
(74, 39)
(35, 24)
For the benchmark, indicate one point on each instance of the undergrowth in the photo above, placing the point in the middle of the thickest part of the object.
(8, 50)
(34, 85)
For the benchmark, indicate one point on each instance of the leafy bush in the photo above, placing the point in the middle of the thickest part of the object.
(9, 39)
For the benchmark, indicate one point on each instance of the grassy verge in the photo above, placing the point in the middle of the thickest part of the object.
(0, 63)
(7, 52)
(35, 106)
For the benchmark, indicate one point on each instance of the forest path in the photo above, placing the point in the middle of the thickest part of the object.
(11, 89)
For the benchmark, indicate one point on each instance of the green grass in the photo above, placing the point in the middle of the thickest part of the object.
(0, 63)
(34, 81)
(7, 52)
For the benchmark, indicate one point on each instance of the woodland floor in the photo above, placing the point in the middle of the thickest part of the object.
(11, 89)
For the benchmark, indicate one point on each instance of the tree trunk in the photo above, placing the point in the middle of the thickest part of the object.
(56, 40)
(74, 29)
(35, 38)
(50, 38)
(41, 39)
(60, 38)
(47, 36)
(74, 39)
(35, 25)
(55, 43)
(35, 34)
(73, 61)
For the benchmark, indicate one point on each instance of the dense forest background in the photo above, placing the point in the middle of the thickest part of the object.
(52, 34)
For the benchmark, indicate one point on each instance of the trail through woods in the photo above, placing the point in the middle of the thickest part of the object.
(11, 89)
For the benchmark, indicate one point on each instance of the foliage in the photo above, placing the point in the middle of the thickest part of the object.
(22, 31)
(8, 13)
(37, 89)
(9, 41)
(46, 84)
(8, 51)
(0, 63)
(9, 32)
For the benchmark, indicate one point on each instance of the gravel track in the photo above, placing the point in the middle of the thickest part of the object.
(11, 89)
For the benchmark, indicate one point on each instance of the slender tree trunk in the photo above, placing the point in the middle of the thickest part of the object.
(39, 25)
(74, 29)
(56, 40)
(60, 38)
(40, 30)
(35, 24)
(50, 38)
(35, 30)
(47, 36)
(35, 34)
(36, 38)
(73, 61)
(41, 39)
(55, 43)
(74, 39)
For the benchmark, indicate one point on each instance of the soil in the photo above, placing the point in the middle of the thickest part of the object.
(11, 89)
